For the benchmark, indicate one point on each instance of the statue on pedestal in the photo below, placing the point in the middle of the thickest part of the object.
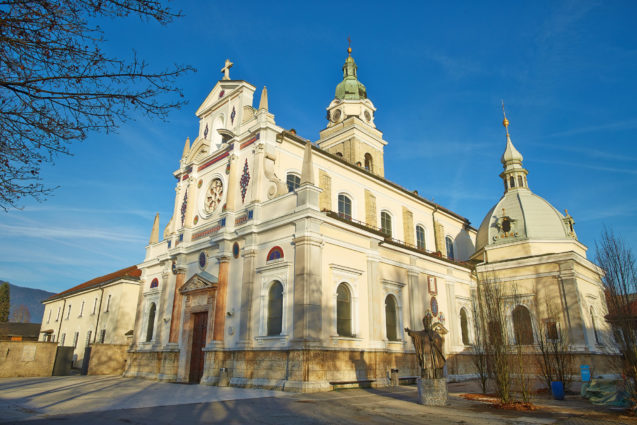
(428, 343)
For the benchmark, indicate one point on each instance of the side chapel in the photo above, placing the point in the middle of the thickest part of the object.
(291, 265)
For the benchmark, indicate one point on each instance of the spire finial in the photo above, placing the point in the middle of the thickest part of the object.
(349, 45)
(505, 122)
(263, 103)
(154, 234)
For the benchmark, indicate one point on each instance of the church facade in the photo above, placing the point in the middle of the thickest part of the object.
(296, 265)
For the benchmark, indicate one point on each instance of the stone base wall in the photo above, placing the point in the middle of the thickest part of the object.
(107, 359)
(158, 365)
(26, 358)
(461, 366)
(312, 370)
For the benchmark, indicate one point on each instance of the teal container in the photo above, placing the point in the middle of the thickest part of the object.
(557, 388)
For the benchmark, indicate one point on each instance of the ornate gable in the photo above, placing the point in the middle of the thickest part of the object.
(198, 282)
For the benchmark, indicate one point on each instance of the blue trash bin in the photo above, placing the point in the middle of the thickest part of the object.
(557, 388)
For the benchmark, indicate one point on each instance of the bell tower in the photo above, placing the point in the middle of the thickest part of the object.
(351, 132)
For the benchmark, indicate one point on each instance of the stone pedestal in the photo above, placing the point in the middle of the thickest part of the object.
(432, 392)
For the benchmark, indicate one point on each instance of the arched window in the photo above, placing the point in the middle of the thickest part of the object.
(293, 181)
(522, 329)
(344, 207)
(343, 311)
(151, 322)
(511, 182)
(385, 223)
(594, 326)
(464, 326)
(275, 253)
(369, 162)
(420, 237)
(520, 181)
(391, 318)
(275, 309)
(154, 283)
(449, 246)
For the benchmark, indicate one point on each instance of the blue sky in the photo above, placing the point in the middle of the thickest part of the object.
(436, 71)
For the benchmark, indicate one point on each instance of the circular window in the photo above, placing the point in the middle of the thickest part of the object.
(235, 250)
(434, 306)
(199, 183)
(336, 115)
(368, 116)
(202, 259)
(196, 219)
(213, 195)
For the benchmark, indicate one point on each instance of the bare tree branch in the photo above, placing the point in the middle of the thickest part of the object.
(57, 86)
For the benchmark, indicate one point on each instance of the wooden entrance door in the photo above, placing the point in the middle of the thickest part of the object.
(198, 343)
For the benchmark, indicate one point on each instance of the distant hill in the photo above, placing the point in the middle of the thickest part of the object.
(29, 297)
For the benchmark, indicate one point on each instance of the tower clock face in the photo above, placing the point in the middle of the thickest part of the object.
(336, 115)
(213, 195)
(368, 116)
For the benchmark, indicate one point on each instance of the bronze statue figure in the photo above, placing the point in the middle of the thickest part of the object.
(429, 348)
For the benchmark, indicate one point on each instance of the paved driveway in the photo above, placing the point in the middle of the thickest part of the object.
(105, 400)
(22, 398)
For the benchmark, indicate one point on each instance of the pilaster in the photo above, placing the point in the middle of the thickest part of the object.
(220, 301)
(175, 319)
(308, 249)
(247, 297)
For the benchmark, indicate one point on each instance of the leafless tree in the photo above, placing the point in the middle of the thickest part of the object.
(480, 347)
(21, 314)
(492, 306)
(616, 259)
(556, 358)
(57, 85)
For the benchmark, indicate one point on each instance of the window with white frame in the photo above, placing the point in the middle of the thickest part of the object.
(81, 309)
(88, 338)
(344, 207)
(68, 314)
(343, 310)
(62, 338)
(76, 336)
(49, 317)
(275, 309)
(293, 181)
(464, 326)
(522, 327)
(57, 317)
(94, 305)
(108, 303)
(102, 335)
(385, 223)
(449, 246)
(420, 237)
(151, 322)
(391, 318)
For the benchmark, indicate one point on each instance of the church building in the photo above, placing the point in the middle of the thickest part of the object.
(296, 265)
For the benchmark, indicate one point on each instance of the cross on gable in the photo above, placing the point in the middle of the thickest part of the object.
(226, 70)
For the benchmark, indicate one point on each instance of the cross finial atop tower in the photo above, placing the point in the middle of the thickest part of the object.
(349, 45)
(226, 70)
(505, 122)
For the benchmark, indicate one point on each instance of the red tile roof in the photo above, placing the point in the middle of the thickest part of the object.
(131, 272)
